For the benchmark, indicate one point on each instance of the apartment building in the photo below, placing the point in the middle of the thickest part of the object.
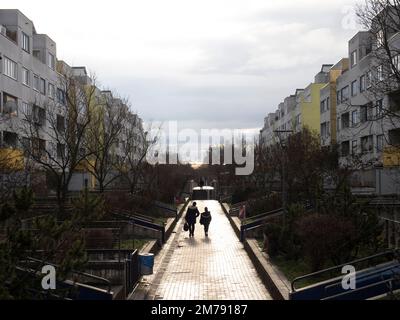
(297, 111)
(328, 104)
(282, 119)
(31, 79)
(363, 133)
(28, 77)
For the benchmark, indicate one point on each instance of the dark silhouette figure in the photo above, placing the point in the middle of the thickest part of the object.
(191, 216)
(205, 220)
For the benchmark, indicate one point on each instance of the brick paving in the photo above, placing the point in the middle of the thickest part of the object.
(210, 268)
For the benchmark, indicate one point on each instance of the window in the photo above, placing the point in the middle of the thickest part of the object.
(26, 110)
(354, 88)
(354, 58)
(328, 103)
(42, 86)
(51, 61)
(25, 77)
(10, 139)
(355, 118)
(338, 124)
(39, 115)
(60, 123)
(379, 73)
(51, 90)
(36, 54)
(380, 142)
(354, 146)
(10, 105)
(38, 147)
(345, 120)
(338, 97)
(25, 42)
(379, 108)
(10, 68)
(367, 144)
(11, 33)
(60, 96)
(365, 113)
(362, 83)
(368, 79)
(345, 93)
(396, 63)
(324, 130)
(345, 148)
(36, 82)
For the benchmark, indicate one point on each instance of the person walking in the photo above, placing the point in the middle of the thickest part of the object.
(191, 216)
(205, 220)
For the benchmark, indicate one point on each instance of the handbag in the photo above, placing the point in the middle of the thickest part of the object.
(186, 227)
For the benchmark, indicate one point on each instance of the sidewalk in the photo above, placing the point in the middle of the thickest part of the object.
(207, 268)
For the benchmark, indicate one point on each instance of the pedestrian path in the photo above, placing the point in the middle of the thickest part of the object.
(213, 268)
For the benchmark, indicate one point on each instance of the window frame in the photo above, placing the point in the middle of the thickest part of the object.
(354, 88)
(51, 63)
(10, 65)
(26, 76)
(28, 42)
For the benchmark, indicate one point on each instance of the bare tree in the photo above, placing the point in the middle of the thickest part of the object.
(102, 138)
(135, 147)
(53, 135)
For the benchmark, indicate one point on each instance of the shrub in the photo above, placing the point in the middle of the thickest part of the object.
(325, 237)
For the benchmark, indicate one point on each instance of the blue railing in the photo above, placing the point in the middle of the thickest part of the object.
(370, 282)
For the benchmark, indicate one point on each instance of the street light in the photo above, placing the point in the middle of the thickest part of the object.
(282, 142)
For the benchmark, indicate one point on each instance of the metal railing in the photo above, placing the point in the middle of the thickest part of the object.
(106, 282)
(391, 253)
(257, 222)
(132, 272)
(145, 223)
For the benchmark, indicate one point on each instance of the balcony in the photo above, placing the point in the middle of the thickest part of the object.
(9, 32)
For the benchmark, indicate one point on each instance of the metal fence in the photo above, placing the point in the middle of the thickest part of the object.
(132, 272)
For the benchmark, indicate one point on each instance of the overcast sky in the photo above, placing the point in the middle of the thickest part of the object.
(205, 63)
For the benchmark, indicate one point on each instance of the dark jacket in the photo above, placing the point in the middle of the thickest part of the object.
(205, 218)
(191, 214)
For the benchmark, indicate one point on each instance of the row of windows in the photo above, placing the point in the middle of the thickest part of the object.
(26, 46)
(365, 81)
(29, 111)
(39, 84)
(361, 114)
(362, 84)
(37, 146)
(364, 144)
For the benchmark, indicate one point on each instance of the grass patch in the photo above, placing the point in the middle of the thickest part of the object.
(293, 269)
(127, 244)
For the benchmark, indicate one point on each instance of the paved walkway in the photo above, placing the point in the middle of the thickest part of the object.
(208, 268)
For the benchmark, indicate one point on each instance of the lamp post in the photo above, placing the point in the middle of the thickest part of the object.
(282, 143)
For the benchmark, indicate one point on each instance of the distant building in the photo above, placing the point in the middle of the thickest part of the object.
(297, 111)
